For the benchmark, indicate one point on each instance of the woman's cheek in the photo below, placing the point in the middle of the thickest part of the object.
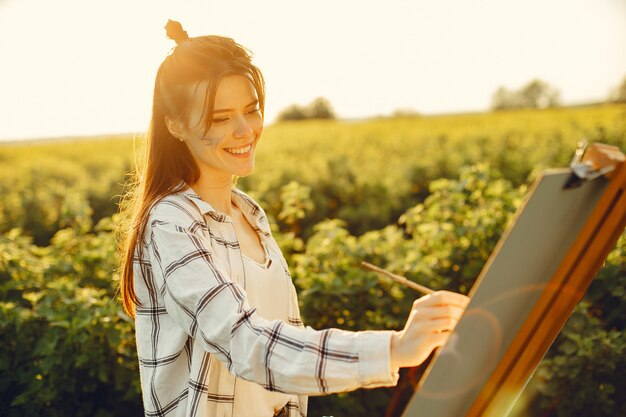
(214, 138)
(258, 126)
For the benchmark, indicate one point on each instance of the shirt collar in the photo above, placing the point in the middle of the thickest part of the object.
(250, 208)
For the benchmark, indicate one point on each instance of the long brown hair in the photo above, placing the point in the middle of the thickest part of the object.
(164, 161)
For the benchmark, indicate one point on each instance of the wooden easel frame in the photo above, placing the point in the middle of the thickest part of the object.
(574, 276)
(543, 320)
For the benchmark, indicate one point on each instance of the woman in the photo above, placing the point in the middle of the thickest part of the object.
(217, 323)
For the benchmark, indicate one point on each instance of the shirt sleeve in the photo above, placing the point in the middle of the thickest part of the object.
(201, 298)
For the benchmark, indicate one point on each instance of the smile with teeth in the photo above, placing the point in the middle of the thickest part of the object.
(239, 151)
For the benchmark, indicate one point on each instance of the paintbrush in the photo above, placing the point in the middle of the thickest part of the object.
(398, 278)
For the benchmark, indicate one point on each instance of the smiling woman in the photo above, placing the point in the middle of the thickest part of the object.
(216, 314)
(226, 146)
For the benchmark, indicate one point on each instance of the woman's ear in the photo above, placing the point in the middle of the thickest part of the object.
(176, 128)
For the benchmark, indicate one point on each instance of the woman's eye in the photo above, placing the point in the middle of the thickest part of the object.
(252, 111)
(220, 120)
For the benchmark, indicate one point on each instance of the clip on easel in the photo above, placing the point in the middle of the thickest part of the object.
(593, 161)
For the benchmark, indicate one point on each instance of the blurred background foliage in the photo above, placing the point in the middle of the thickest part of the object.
(425, 197)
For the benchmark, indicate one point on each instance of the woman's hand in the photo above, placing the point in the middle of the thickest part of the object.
(430, 324)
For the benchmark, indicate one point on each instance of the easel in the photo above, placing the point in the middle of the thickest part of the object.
(538, 272)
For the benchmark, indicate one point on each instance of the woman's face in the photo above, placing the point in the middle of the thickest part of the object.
(228, 147)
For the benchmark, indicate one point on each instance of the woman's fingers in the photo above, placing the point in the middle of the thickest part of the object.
(446, 324)
(437, 312)
(423, 327)
(443, 298)
(438, 339)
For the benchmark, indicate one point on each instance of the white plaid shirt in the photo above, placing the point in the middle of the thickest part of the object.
(196, 331)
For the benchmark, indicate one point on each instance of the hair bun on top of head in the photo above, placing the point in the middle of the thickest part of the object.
(174, 30)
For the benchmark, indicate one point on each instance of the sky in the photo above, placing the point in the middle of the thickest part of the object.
(86, 67)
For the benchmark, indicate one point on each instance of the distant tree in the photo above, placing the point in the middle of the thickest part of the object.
(618, 95)
(505, 99)
(320, 108)
(537, 94)
(293, 112)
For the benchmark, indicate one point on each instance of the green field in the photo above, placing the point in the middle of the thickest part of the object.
(427, 197)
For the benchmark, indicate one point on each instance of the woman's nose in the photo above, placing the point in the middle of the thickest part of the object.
(242, 128)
